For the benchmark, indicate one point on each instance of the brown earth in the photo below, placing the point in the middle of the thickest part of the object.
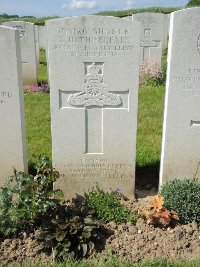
(132, 242)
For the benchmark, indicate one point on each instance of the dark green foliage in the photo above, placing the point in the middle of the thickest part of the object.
(129, 12)
(25, 199)
(192, 3)
(70, 231)
(37, 21)
(183, 196)
(108, 207)
(164, 66)
(154, 81)
(27, 203)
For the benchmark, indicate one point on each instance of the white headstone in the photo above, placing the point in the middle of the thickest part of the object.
(166, 31)
(42, 37)
(12, 133)
(180, 156)
(28, 51)
(152, 25)
(37, 44)
(93, 70)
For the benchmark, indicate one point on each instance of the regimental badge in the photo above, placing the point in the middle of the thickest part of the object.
(94, 91)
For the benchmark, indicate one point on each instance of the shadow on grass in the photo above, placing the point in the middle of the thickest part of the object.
(147, 177)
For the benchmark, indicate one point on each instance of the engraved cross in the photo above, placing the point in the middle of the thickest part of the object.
(94, 98)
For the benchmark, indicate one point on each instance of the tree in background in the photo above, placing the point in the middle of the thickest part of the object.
(192, 3)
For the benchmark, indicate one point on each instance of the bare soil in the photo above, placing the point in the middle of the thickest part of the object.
(132, 242)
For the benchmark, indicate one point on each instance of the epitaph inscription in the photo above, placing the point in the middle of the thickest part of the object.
(89, 168)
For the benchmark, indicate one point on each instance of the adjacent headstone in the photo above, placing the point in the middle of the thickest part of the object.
(152, 25)
(28, 51)
(180, 156)
(166, 31)
(37, 49)
(12, 133)
(93, 71)
(42, 37)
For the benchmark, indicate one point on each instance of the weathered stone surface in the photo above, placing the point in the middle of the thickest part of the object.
(181, 129)
(166, 31)
(42, 37)
(152, 25)
(28, 51)
(12, 133)
(37, 49)
(93, 70)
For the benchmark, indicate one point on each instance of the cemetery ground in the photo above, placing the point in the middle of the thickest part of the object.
(123, 244)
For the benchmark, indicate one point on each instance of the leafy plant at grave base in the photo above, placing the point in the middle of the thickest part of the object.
(41, 86)
(183, 196)
(25, 199)
(158, 215)
(107, 206)
(193, 3)
(71, 231)
(150, 73)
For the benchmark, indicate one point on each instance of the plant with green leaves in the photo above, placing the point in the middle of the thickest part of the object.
(107, 206)
(183, 196)
(70, 231)
(25, 199)
(193, 3)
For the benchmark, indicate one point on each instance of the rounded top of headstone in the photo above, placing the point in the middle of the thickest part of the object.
(187, 10)
(90, 18)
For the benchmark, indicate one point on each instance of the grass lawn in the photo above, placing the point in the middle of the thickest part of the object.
(112, 262)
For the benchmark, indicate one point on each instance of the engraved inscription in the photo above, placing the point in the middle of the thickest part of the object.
(5, 96)
(198, 44)
(101, 168)
(194, 123)
(94, 90)
(21, 31)
(148, 20)
(90, 42)
(190, 81)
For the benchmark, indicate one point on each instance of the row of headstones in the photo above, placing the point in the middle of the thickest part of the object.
(94, 71)
(32, 38)
(154, 35)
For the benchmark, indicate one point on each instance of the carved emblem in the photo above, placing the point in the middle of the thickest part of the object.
(21, 31)
(198, 44)
(94, 90)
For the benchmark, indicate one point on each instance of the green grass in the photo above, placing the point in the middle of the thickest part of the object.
(150, 116)
(37, 111)
(42, 68)
(112, 262)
